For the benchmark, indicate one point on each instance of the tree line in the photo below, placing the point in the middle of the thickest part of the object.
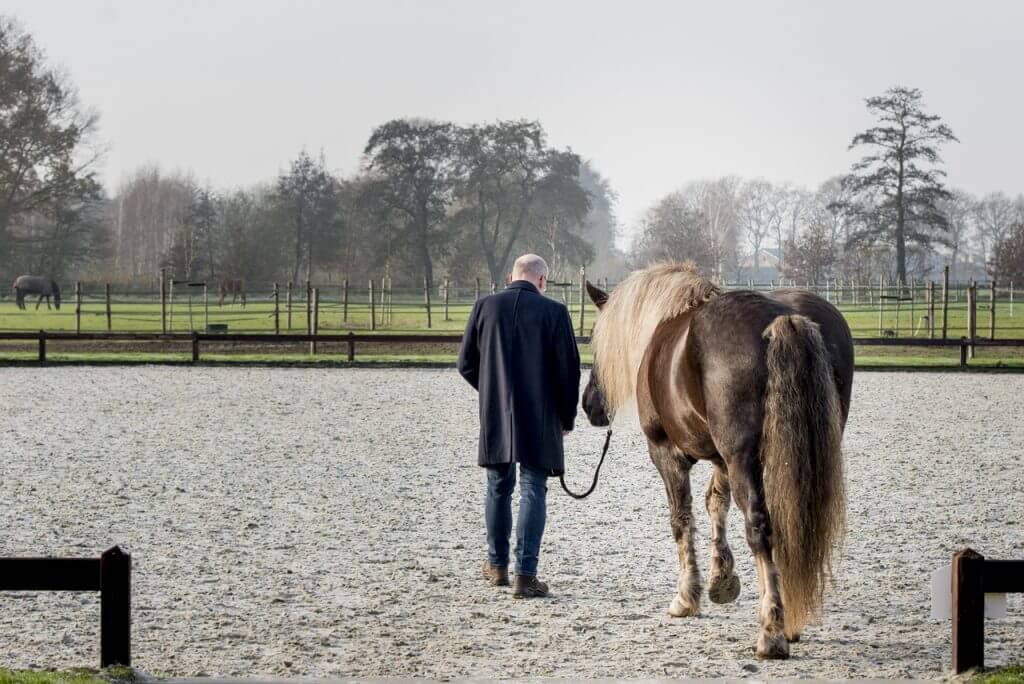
(891, 215)
(429, 196)
(433, 197)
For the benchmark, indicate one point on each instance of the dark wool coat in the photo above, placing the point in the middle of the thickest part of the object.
(519, 352)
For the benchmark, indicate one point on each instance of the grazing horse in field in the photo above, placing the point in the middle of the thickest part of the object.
(759, 386)
(36, 285)
(234, 287)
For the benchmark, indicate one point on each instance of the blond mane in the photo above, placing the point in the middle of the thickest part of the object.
(628, 319)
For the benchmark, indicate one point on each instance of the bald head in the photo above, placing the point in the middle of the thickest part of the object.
(532, 269)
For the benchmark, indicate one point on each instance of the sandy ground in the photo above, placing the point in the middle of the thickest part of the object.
(328, 522)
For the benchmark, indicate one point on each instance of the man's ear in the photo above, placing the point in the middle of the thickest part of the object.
(597, 295)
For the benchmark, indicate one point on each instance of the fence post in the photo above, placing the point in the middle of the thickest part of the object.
(195, 346)
(351, 346)
(446, 284)
(583, 295)
(963, 353)
(945, 299)
(881, 305)
(115, 607)
(42, 347)
(900, 286)
(931, 309)
(912, 311)
(78, 307)
(494, 287)
(477, 296)
(344, 301)
(972, 316)
(316, 320)
(968, 610)
(992, 312)
(1011, 298)
(277, 309)
(373, 308)
(106, 292)
(163, 301)
(426, 295)
(288, 303)
(309, 308)
(170, 305)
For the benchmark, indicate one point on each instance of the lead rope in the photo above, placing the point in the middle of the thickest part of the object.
(593, 485)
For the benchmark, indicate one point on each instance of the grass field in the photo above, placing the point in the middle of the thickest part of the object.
(76, 676)
(407, 313)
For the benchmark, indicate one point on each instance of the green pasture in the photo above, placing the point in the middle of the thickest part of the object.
(73, 676)
(408, 313)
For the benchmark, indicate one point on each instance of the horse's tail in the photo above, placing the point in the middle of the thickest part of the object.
(803, 468)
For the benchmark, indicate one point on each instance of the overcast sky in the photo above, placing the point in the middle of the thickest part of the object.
(654, 93)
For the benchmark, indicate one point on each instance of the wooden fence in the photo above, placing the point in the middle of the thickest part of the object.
(196, 339)
(973, 577)
(110, 574)
(918, 308)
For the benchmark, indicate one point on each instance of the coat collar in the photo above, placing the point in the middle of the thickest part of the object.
(522, 285)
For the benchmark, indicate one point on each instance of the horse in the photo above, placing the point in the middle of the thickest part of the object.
(36, 285)
(234, 287)
(758, 385)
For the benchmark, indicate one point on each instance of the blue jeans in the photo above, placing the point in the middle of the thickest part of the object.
(533, 489)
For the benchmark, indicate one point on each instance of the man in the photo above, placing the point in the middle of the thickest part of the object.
(519, 352)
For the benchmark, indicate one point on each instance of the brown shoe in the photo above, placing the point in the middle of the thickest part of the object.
(528, 586)
(495, 576)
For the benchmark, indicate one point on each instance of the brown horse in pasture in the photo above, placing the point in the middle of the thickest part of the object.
(234, 287)
(758, 384)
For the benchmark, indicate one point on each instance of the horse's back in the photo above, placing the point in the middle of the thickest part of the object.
(730, 347)
(33, 284)
(737, 320)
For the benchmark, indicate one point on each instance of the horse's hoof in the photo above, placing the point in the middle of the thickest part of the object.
(724, 589)
(793, 639)
(679, 609)
(772, 647)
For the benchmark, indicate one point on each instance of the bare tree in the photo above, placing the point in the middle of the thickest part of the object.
(810, 256)
(761, 212)
(995, 213)
(150, 215)
(1008, 255)
(673, 229)
(960, 211)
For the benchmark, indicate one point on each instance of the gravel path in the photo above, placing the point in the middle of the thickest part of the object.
(328, 522)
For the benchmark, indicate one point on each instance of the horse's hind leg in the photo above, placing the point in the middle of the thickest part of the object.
(675, 471)
(724, 586)
(748, 490)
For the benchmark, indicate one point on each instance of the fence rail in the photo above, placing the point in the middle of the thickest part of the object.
(196, 339)
(931, 309)
(110, 574)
